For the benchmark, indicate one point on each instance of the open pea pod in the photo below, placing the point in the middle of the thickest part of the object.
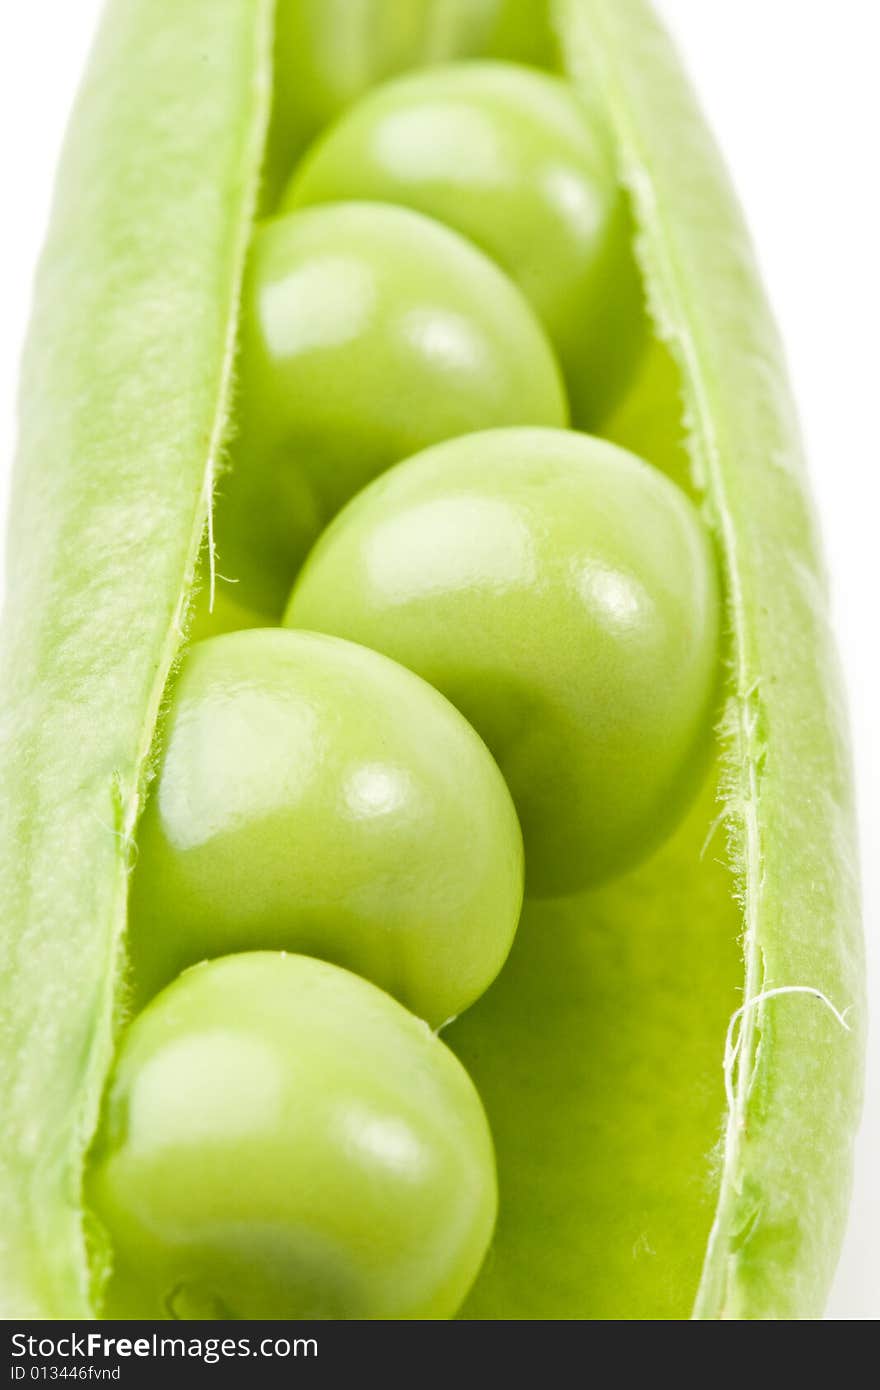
(671, 1063)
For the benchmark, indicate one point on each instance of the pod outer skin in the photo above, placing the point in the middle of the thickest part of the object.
(796, 1078)
(123, 405)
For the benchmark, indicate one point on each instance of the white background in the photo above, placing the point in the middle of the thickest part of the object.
(791, 89)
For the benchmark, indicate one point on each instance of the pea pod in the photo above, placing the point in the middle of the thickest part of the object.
(123, 406)
(795, 1078)
(606, 1063)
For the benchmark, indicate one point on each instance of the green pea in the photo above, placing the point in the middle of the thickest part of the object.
(314, 796)
(282, 1140)
(515, 160)
(368, 332)
(563, 595)
(329, 51)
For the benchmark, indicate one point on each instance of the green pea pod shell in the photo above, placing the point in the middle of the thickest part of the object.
(671, 1064)
(123, 403)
